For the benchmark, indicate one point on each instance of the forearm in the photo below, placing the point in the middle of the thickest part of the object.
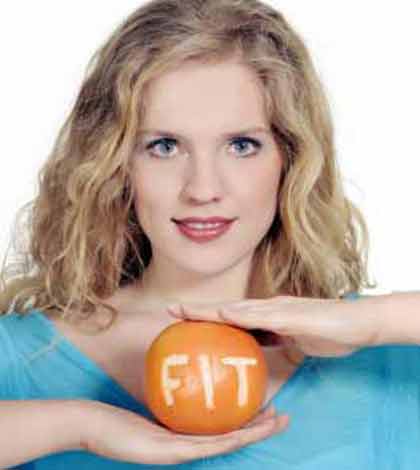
(30, 429)
(398, 316)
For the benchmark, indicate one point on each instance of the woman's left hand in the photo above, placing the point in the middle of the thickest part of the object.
(318, 327)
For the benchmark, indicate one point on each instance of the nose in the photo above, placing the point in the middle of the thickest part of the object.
(203, 181)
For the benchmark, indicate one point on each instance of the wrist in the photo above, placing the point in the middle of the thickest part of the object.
(391, 326)
(80, 420)
(401, 318)
(373, 319)
(379, 306)
(93, 416)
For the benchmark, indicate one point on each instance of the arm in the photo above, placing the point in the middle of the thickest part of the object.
(33, 428)
(399, 314)
(30, 429)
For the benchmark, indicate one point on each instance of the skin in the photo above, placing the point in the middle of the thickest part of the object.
(204, 173)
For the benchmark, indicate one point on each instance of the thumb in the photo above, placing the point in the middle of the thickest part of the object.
(269, 411)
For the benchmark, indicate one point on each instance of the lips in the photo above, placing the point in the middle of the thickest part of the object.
(203, 233)
(203, 220)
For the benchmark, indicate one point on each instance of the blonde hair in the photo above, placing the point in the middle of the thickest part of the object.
(84, 238)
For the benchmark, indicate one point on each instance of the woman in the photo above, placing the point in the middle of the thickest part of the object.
(156, 136)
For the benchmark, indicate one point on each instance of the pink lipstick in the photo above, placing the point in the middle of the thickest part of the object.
(204, 232)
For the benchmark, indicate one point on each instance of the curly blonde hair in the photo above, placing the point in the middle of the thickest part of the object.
(84, 238)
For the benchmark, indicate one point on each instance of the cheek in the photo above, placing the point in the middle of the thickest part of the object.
(153, 200)
(261, 188)
(142, 197)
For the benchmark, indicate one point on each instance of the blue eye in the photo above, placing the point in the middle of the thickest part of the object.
(156, 143)
(168, 142)
(257, 144)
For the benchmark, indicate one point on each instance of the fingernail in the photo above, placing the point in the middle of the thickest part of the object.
(224, 313)
(270, 410)
(282, 421)
(174, 310)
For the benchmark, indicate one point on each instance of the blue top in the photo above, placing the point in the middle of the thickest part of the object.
(349, 413)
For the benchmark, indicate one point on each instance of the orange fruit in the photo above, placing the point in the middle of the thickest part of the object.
(205, 377)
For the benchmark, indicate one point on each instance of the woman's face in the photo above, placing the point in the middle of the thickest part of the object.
(201, 165)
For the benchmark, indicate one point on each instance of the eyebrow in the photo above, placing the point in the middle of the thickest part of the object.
(224, 134)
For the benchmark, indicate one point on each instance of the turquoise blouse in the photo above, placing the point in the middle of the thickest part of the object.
(349, 413)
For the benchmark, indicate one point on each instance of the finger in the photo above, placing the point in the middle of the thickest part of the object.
(196, 313)
(252, 319)
(206, 310)
(280, 323)
(267, 413)
(210, 306)
(230, 442)
(232, 316)
(263, 416)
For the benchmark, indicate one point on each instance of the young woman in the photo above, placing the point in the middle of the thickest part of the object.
(196, 110)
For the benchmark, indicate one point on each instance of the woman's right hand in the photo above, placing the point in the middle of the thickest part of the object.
(119, 434)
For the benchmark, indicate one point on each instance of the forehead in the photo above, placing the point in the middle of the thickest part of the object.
(220, 96)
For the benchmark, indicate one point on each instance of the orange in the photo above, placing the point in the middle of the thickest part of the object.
(205, 377)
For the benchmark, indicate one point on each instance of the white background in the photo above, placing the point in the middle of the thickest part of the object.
(367, 54)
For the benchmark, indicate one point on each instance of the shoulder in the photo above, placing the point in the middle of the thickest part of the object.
(13, 328)
(13, 325)
(7, 346)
